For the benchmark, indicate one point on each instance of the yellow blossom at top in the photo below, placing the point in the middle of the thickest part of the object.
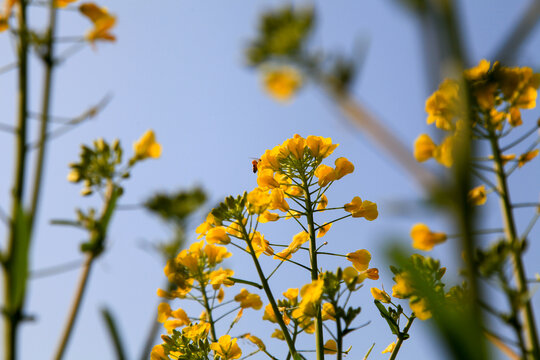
(205, 226)
(103, 23)
(479, 71)
(266, 180)
(424, 239)
(319, 146)
(248, 300)
(147, 147)
(296, 146)
(365, 209)
(282, 82)
(478, 195)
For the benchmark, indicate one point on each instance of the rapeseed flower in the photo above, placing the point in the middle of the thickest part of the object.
(365, 209)
(147, 147)
(282, 82)
(478, 195)
(248, 300)
(424, 239)
(103, 23)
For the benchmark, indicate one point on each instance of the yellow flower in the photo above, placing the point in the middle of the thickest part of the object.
(328, 312)
(215, 254)
(282, 82)
(323, 230)
(8, 6)
(477, 196)
(248, 300)
(365, 209)
(443, 105)
(196, 331)
(259, 200)
(477, 72)
(63, 3)
(170, 325)
(424, 148)
(270, 159)
(350, 276)
(330, 347)
(323, 202)
(205, 226)
(389, 348)
(319, 146)
(526, 157)
(380, 295)
(278, 200)
(269, 314)
(158, 353)
(103, 23)
(235, 229)
(360, 259)
(296, 146)
(221, 295)
(298, 240)
(443, 153)
(291, 294)
(266, 180)
(164, 312)
(220, 276)
(146, 146)
(515, 117)
(268, 216)
(217, 235)
(402, 289)
(424, 239)
(420, 309)
(278, 334)
(343, 167)
(325, 174)
(311, 296)
(256, 341)
(260, 245)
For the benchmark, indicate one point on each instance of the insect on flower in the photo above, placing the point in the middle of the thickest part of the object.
(255, 162)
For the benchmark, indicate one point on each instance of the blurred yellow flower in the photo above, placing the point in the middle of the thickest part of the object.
(278, 334)
(478, 195)
(323, 202)
(526, 157)
(147, 146)
(424, 148)
(220, 276)
(248, 300)
(365, 209)
(217, 235)
(215, 254)
(328, 312)
(63, 3)
(389, 348)
(282, 82)
(420, 309)
(443, 105)
(330, 347)
(260, 245)
(402, 289)
(424, 239)
(259, 200)
(196, 332)
(360, 259)
(103, 23)
(291, 294)
(256, 341)
(4, 16)
(323, 230)
(158, 353)
(164, 312)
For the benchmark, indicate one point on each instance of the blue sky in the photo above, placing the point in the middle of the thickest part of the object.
(178, 68)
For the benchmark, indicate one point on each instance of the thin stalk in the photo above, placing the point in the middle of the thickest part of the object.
(268, 292)
(75, 306)
(402, 337)
(512, 237)
(339, 339)
(319, 340)
(209, 312)
(13, 315)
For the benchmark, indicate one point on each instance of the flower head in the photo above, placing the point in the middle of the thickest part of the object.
(147, 146)
(365, 209)
(103, 23)
(424, 239)
(282, 82)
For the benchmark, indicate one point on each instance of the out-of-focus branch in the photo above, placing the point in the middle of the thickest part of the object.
(386, 140)
(523, 28)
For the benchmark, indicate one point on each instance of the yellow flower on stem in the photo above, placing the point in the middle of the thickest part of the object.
(278, 334)
(256, 341)
(380, 295)
(443, 105)
(296, 146)
(260, 245)
(424, 148)
(319, 146)
(282, 82)
(164, 312)
(218, 235)
(330, 347)
(365, 209)
(323, 230)
(205, 226)
(424, 239)
(291, 294)
(221, 295)
(259, 200)
(63, 3)
(8, 6)
(478, 195)
(323, 202)
(220, 276)
(278, 200)
(298, 240)
(268, 216)
(146, 146)
(248, 300)
(311, 296)
(325, 174)
(215, 254)
(103, 23)
(343, 167)
(195, 332)
(328, 312)
(235, 229)
(269, 314)
(477, 72)
(389, 348)
(420, 309)
(266, 180)
(402, 289)
(158, 353)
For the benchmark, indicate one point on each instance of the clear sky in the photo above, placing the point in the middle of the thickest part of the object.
(178, 68)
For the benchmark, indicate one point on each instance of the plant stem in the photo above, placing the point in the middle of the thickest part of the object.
(209, 312)
(402, 337)
(268, 292)
(75, 306)
(319, 340)
(13, 311)
(512, 237)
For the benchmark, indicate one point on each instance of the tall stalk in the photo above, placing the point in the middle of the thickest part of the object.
(531, 334)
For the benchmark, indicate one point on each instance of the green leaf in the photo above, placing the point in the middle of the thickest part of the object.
(115, 335)
(386, 315)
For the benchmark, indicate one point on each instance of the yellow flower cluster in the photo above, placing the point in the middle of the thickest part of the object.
(499, 94)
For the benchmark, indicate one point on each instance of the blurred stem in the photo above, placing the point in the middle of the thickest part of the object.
(402, 337)
(154, 328)
(115, 334)
(531, 335)
(97, 239)
(339, 338)
(319, 340)
(75, 306)
(13, 312)
(209, 312)
(268, 292)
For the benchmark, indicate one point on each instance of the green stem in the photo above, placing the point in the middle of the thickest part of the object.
(13, 312)
(268, 292)
(402, 337)
(319, 340)
(526, 310)
(209, 312)
(339, 338)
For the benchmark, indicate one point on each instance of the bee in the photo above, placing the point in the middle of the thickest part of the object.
(255, 163)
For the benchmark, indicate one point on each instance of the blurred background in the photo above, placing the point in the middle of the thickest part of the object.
(178, 67)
